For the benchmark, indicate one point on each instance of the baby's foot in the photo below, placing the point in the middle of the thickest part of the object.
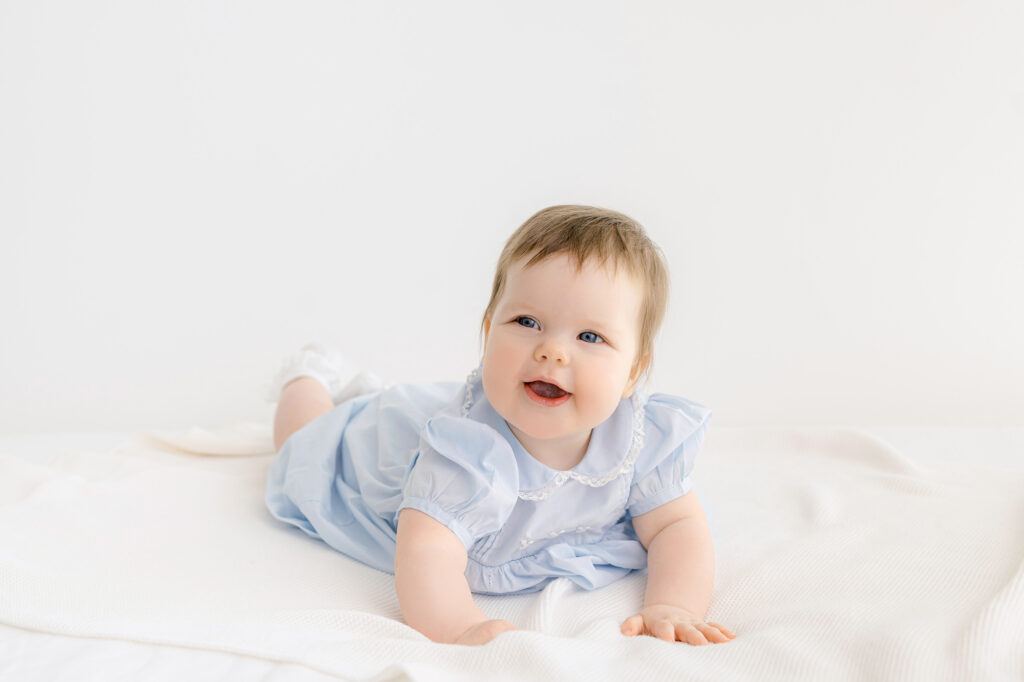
(326, 365)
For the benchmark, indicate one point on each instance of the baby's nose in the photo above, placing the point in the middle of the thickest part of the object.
(551, 351)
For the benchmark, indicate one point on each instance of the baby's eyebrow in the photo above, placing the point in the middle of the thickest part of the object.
(603, 324)
(597, 323)
(520, 308)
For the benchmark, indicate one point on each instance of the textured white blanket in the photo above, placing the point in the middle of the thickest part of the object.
(838, 559)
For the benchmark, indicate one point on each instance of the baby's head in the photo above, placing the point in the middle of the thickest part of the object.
(610, 238)
(600, 288)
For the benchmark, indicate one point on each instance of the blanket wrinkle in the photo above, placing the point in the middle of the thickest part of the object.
(818, 505)
(541, 613)
(858, 446)
(247, 439)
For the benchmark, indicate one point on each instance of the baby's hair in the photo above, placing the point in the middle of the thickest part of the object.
(585, 232)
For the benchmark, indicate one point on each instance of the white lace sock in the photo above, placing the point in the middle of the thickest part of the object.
(327, 366)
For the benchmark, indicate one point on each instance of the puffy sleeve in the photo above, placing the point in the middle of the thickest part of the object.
(674, 430)
(464, 476)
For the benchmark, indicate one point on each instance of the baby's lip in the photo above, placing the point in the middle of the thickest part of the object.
(547, 380)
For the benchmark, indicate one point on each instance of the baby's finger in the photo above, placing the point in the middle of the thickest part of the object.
(484, 632)
(711, 632)
(663, 630)
(689, 634)
(633, 625)
(724, 630)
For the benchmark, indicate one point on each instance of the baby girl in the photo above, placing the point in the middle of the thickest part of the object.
(547, 462)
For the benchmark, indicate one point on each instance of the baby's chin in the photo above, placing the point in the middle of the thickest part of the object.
(545, 429)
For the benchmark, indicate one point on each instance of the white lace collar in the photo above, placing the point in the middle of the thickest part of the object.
(613, 449)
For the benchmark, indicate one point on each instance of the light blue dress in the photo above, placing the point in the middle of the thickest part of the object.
(442, 449)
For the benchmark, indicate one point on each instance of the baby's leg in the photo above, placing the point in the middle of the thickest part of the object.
(302, 401)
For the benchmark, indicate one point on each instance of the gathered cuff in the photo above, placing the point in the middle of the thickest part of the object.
(663, 496)
(445, 518)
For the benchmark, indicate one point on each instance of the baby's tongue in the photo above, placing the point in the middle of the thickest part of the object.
(546, 390)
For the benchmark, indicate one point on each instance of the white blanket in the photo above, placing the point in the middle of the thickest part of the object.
(838, 558)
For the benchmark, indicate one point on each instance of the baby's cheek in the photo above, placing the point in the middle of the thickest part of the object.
(602, 398)
(498, 357)
(490, 386)
(499, 386)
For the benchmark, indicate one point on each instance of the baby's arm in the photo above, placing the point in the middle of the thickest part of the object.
(680, 574)
(430, 566)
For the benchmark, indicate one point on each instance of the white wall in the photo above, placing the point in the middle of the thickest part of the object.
(191, 190)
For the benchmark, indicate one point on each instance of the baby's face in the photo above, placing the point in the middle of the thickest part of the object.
(574, 331)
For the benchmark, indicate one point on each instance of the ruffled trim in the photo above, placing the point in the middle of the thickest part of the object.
(588, 564)
(313, 360)
(328, 367)
(467, 404)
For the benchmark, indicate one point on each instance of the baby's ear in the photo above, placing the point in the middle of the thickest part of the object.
(487, 329)
(634, 376)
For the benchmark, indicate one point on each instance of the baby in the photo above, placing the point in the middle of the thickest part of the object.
(546, 463)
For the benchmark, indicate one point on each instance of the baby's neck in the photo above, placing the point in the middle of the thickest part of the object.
(557, 453)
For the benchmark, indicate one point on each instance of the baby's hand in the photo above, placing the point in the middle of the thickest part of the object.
(671, 623)
(484, 631)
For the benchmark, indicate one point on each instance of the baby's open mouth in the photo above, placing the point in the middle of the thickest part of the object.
(546, 390)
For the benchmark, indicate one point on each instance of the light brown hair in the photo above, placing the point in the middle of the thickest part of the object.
(585, 232)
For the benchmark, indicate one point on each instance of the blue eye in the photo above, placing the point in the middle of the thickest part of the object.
(528, 322)
(590, 337)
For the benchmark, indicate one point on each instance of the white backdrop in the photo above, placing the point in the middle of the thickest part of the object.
(191, 190)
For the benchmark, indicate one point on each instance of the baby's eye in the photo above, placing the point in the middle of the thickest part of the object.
(590, 337)
(527, 322)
